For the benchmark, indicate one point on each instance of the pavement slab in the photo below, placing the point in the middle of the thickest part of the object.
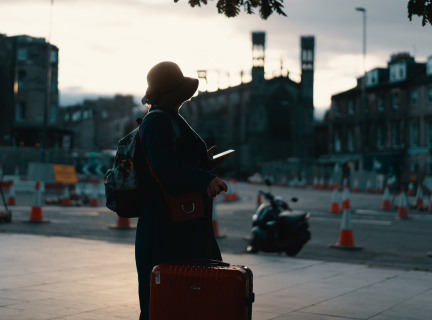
(67, 278)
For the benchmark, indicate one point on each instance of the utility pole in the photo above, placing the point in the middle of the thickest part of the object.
(364, 98)
(44, 144)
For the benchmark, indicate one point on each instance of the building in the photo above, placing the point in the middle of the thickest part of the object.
(23, 92)
(396, 122)
(99, 124)
(263, 120)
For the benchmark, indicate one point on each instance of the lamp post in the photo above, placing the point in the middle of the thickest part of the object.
(363, 10)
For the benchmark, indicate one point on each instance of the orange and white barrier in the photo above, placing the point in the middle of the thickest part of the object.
(122, 223)
(403, 206)
(296, 182)
(315, 182)
(356, 185)
(303, 183)
(284, 180)
(368, 185)
(11, 201)
(334, 206)
(345, 197)
(65, 201)
(410, 189)
(378, 185)
(419, 196)
(36, 210)
(346, 235)
(94, 202)
(386, 205)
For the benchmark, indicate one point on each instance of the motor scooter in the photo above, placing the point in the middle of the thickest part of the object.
(278, 228)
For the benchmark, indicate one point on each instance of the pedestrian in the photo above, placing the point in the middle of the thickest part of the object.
(182, 167)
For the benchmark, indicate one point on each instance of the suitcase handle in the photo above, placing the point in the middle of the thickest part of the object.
(205, 263)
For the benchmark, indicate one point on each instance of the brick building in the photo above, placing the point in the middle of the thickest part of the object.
(263, 120)
(23, 92)
(99, 124)
(398, 119)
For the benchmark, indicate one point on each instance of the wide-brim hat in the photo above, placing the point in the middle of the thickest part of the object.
(167, 85)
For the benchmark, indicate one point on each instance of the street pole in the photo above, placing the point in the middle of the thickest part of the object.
(364, 101)
(44, 144)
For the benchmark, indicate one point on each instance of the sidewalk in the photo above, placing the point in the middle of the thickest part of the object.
(65, 278)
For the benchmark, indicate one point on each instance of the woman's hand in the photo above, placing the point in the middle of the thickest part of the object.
(218, 161)
(215, 187)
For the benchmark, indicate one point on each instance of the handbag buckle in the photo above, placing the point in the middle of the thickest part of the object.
(193, 208)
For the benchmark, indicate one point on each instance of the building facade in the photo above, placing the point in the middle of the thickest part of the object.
(393, 131)
(99, 124)
(24, 62)
(263, 120)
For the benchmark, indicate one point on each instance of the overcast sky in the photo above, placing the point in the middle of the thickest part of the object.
(108, 46)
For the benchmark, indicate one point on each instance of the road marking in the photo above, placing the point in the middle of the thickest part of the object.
(376, 222)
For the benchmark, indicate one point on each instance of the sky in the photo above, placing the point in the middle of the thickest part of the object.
(108, 46)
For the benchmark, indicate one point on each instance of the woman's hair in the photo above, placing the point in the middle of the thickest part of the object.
(152, 97)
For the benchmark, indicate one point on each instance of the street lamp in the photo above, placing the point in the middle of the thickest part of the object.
(364, 86)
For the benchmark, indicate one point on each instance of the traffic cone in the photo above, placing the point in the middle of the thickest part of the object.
(356, 185)
(368, 185)
(386, 205)
(345, 181)
(16, 170)
(334, 206)
(303, 182)
(296, 182)
(234, 193)
(315, 182)
(419, 196)
(346, 236)
(36, 210)
(122, 223)
(403, 208)
(65, 201)
(215, 223)
(321, 183)
(284, 180)
(231, 195)
(345, 197)
(11, 196)
(94, 202)
(378, 185)
(410, 189)
(330, 183)
(430, 203)
(258, 200)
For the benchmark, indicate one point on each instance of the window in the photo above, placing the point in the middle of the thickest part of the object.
(395, 135)
(380, 103)
(54, 56)
(104, 114)
(414, 133)
(366, 105)
(337, 109)
(52, 112)
(350, 141)
(351, 106)
(380, 138)
(53, 82)
(20, 111)
(413, 97)
(398, 72)
(337, 142)
(429, 95)
(21, 79)
(22, 54)
(429, 66)
(395, 100)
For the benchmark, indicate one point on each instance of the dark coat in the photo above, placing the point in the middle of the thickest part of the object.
(183, 170)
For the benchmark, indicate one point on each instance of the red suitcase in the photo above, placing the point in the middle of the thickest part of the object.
(196, 292)
(201, 290)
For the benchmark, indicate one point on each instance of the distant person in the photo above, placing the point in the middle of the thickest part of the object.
(181, 169)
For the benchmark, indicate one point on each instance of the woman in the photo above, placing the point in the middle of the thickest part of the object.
(181, 168)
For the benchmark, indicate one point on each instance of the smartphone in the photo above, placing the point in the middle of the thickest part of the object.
(223, 154)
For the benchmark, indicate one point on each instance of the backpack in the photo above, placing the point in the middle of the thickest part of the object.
(126, 188)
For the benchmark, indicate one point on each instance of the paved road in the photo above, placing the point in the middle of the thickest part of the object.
(386, 241)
